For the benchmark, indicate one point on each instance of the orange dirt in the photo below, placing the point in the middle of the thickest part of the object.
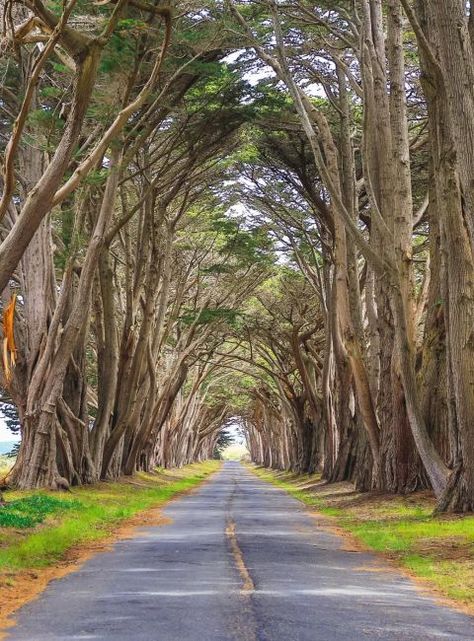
(349, 542)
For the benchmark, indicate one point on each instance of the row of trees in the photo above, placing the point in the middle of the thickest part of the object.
(126, 271)
(368, 187)
(282, 235)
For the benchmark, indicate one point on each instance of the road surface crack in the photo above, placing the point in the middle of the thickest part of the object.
(245, 626)
(248, 586)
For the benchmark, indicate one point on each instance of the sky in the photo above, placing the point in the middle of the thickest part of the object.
(233, 430)
(5, 434)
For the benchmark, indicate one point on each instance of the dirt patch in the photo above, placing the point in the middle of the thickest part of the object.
(375, 566)
(454, 549)
(373, 505)
(349, 543)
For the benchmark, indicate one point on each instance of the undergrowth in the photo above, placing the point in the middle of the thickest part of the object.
(28, 512)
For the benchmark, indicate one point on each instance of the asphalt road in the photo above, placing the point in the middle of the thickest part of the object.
(241, 561)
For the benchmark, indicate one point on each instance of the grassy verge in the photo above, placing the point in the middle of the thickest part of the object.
(439, 550)
(40, 527)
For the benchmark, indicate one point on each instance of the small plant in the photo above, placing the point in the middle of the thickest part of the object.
(32, 510)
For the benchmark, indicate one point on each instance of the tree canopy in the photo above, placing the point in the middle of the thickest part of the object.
(256, 212)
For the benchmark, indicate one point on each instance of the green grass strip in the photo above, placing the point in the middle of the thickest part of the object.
(59, 522)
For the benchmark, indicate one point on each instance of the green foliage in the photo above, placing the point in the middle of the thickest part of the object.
(210, 315)
(218, 90)
(196, 35)
(248, 153)
(97, 176)
(29, 511)
(244, 246)
(129, 26)
(60, 68)
(50, 92)
(119, 52)
(272, 101)
(121, 48)
(44, 119)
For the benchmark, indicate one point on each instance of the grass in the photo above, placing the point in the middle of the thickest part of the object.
(38, 528)
(438, 549)
(32, 510)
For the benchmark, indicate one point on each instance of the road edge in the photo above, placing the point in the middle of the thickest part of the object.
(353, 543)
(30, 584)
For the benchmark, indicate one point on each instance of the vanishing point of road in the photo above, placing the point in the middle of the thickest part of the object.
(239, 561)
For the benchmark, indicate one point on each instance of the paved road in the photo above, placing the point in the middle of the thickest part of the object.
(241, 561)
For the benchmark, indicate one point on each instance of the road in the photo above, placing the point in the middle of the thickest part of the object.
(240, 561)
